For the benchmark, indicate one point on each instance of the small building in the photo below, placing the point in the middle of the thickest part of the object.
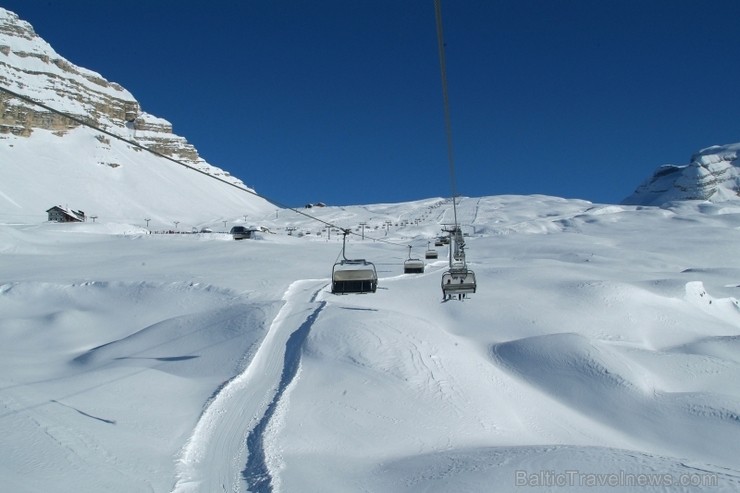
(243, 233)
(59, 214)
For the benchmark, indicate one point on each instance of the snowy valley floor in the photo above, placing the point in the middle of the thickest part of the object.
(600, 353)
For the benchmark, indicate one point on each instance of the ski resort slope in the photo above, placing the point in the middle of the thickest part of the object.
(600, 352)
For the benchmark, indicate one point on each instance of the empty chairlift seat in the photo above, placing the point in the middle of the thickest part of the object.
(354, 276)
(430, 253)
(413, 266)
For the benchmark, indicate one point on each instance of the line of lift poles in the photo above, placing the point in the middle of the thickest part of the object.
(360, 276)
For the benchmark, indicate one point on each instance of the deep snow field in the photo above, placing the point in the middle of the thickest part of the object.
(600, 353)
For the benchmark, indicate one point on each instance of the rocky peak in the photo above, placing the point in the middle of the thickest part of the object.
(31, 67)
(713, 174)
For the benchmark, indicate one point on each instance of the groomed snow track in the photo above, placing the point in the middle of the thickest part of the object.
(229, 434)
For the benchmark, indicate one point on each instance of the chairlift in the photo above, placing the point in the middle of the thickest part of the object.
(430, 253)
(413, 265)
(458, 279)
(353, 275)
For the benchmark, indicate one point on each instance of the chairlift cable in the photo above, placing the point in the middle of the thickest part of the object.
(446, 102)
(116, 136)
(458, 279)
(176, 161)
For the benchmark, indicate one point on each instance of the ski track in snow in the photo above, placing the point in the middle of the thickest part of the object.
(256, 473)
(229, 433)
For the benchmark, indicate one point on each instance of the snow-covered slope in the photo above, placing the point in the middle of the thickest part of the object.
(50, 160)
(107, 178)
(600, 353)
(713, 174)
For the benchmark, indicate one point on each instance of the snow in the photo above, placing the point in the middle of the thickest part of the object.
(114, 181)
(600, 352)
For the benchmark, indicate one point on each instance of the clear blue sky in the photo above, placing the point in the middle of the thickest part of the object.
(340, 101)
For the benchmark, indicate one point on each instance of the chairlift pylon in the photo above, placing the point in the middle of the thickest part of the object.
(353, 275)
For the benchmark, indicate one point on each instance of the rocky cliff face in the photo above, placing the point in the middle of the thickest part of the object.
(30, 66)
(713, 174)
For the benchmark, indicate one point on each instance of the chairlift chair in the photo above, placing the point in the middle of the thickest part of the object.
(458, 281)
(413, 265)
(353, 275)
(430, 253)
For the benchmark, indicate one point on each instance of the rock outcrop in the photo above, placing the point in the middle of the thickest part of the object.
(30, 66)
(713, 174)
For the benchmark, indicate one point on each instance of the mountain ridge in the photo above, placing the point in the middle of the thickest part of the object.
(49, 146)
(713, 174)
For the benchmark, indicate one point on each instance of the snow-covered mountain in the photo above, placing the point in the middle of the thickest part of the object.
(713, 174)
(50, 160)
